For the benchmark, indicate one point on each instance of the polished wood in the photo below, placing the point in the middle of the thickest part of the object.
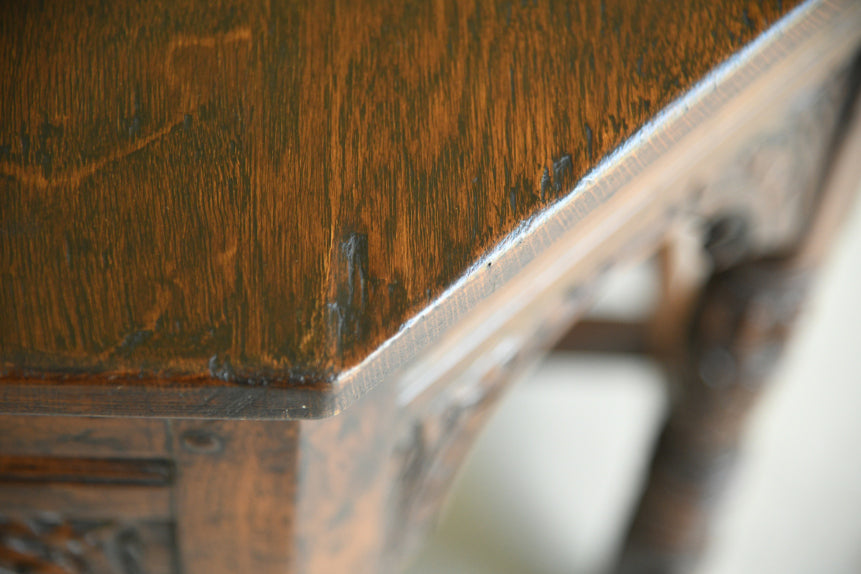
(219, 212)
(266, 192)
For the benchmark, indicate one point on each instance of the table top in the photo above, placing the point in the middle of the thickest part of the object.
(265, 192)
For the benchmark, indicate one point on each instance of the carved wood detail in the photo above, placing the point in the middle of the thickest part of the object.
(769, 186)
(49, 544)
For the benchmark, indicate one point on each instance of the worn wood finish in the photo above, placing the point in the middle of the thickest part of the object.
(81, 437)
(223, 491)
(234, 497)
(231, 206)
(86, 495)
(626, 186)
(266, 192)
(82, 501)
(374, 477)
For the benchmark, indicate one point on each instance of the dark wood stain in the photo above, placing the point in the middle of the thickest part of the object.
(24, 469)
(258, 192)
(234, 495)
(29, 435)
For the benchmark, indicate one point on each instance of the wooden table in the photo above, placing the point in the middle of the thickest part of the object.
(266, 266)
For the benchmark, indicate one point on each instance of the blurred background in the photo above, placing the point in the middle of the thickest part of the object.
(551, 483)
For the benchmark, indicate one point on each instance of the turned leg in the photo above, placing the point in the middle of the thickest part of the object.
(735, 335)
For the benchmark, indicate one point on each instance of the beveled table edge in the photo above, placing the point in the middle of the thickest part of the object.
(533, 260)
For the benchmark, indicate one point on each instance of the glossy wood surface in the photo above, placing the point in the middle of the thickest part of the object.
(265, 192)
(221, 220)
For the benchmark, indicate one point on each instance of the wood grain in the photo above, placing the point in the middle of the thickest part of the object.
(265, 193)
(24, 469)
(234, 496)
(105, 502)
(84, 437)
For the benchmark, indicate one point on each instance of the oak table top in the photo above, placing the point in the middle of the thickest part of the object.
(252, 195)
